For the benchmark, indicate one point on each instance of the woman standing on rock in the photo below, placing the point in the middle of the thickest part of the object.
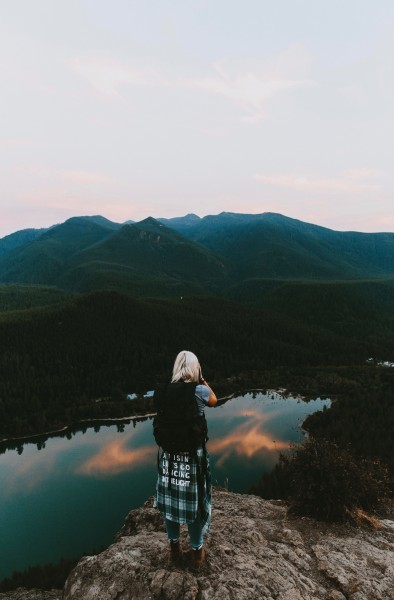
(183, 491)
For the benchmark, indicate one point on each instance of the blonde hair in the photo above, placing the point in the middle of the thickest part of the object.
(186, 367)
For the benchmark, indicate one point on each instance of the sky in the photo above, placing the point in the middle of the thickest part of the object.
(129, 109)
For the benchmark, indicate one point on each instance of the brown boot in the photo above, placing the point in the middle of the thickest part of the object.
(197, 557)
(175, 553)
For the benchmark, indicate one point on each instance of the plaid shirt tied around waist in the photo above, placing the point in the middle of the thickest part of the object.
(177, 492)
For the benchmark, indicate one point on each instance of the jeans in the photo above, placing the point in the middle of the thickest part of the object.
(195, 532)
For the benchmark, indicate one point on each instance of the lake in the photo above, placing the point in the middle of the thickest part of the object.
(70, 495)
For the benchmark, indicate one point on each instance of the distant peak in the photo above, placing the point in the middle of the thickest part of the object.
(187, 220)
(148, 221)
(192, 216)
(99, 219)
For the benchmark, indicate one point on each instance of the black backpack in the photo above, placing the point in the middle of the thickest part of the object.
(178, 426)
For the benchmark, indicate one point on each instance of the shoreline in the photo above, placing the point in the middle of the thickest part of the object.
(90, 422)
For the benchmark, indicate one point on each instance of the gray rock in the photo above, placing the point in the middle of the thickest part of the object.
(23, 594)
(255, 551)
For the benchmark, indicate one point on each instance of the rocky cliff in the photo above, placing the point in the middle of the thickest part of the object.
(255, 551)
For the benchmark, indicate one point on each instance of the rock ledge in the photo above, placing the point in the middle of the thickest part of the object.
(255, 551)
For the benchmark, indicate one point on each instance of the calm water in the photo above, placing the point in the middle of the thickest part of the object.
(72, 495)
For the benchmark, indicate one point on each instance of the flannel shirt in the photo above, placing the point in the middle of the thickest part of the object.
(179, 502)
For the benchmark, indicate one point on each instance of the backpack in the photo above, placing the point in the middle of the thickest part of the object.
(178, 426)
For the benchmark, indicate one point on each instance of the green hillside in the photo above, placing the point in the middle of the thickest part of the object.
(42, 260)
(19, 238)
(145, 258)
(270, 245)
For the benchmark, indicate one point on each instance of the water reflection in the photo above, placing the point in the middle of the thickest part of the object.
(247, 435)
(251, 429)
(116, 458)
(22, 475)
(67, 494)
(247, 439)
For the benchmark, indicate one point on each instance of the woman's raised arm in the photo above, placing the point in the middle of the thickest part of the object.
(212, 401)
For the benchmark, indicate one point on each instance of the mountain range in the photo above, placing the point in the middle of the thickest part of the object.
(233, 254)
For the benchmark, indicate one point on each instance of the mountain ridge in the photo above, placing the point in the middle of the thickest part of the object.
(192, 255)
(146, 247)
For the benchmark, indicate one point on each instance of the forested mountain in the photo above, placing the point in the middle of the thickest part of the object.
(43, 259)
(189, 255)
(216, 257)
(181, 223)
(145, 258)
(271, 245)
(19, 238)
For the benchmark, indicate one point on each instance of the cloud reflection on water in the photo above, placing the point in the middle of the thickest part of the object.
(248, 439)
(29, 471)
(116, 458)
(238, 430)
(29, 475)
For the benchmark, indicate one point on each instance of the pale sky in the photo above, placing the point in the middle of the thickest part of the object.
(164, 107)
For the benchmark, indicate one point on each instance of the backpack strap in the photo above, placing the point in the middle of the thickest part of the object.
(170, 467)
(202, 478)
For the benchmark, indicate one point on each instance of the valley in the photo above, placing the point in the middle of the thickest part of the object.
(93, 310)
